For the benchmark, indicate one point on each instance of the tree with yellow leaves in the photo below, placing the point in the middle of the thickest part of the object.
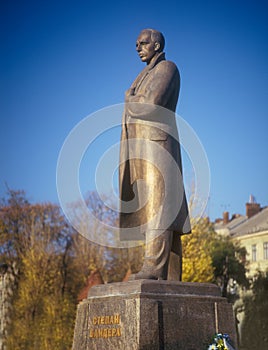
(197, 261)
(209, 257)
(36, 239)
(53, 263)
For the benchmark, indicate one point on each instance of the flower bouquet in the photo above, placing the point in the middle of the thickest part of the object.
(221, 342)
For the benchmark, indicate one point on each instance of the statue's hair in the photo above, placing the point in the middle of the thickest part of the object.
(156, 36)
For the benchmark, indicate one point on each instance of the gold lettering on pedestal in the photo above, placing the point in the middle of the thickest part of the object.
(101, 332)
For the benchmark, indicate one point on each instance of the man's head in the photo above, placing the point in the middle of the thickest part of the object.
(149, 43)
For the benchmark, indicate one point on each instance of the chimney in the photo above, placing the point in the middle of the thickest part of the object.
(225, 217)
(252, 208)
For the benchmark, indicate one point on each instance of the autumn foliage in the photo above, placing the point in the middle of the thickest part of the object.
(52, 264)
(197, 261)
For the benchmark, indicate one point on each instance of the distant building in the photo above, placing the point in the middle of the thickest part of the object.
(251, 231)
(225, 226)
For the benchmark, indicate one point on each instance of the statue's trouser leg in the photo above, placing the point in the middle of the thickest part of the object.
(175, 267)
(157, 251)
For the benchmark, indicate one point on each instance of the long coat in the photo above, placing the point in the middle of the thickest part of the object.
(150, 173)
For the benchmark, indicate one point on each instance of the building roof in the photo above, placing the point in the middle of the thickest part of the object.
(231, 224)
(257, 223)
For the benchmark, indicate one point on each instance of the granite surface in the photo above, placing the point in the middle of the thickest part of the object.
(147, 314)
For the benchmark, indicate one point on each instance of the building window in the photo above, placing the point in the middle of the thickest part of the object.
(265, 250)
(254, 252)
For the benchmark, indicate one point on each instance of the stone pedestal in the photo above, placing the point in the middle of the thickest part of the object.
(152, 315)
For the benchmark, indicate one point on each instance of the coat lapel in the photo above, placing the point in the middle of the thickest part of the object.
(137, 82)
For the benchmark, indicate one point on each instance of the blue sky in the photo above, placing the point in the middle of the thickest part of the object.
(64, 60)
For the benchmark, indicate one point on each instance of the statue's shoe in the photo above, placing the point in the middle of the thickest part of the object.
(144, 276)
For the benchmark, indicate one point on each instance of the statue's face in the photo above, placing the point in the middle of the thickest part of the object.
(145, 47)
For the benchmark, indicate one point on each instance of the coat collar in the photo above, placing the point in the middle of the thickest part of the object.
(137, 82)
(158, 57)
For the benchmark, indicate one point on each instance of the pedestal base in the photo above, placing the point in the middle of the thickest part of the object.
(152, 315)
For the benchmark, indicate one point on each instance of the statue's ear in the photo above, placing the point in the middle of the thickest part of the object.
(156, 46)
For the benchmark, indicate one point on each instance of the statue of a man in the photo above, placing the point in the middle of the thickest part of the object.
(149, 150)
